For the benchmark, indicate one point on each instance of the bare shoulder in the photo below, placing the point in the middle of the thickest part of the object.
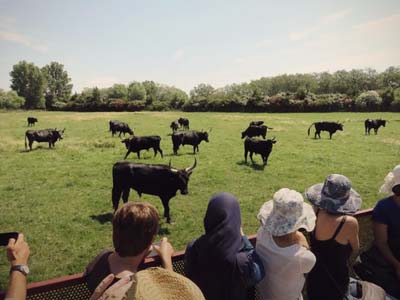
(351, 223)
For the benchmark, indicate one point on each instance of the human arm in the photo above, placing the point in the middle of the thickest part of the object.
(17, 254)
(117, 290)
(381, 242)
(165, 250)
(352, 231)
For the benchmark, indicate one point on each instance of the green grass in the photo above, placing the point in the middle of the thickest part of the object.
(61, 198)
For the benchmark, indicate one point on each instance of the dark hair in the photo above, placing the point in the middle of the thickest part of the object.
(396, 189)
(134, 228)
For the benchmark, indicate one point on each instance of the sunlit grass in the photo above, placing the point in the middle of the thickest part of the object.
(61, 198)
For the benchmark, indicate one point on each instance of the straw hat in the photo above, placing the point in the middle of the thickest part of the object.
(391, 180)
(161, 284)
(286, 212)
(335, 195)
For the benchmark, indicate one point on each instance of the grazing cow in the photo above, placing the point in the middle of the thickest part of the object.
(32, 121)
(253, 131)
(121, 127)
(159, 180)
(184, 123)
(256, 123)
(262, 147)
(50, 136)
(375, 124)
(193, 138)
(174, 126)
(138, 143)
(331, 127)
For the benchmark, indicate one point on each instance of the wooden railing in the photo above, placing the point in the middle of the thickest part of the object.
(73, 287)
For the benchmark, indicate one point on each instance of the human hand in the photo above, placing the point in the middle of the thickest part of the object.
(117, 290)
(165, 250)
(241, 231)
(18, 251)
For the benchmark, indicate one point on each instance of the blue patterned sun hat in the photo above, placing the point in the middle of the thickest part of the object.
(391, 180)
(286, 212)
(335, 195)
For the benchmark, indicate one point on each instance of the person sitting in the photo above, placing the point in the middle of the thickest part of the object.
(386, 227)
(18, 255)
(282, 248)
(334, 238)
(222, 262)
(135, 226)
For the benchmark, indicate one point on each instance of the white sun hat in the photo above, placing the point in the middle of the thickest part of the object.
(286, 212)
(391, 180)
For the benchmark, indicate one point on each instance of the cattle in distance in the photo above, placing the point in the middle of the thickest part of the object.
(50, 136)
(158, 180)
(373, 124)
(331, 127)
(253, 131)
(174, 126)
(121, 127)
(138, 143)
(262, 147)
(256, 123)
(184, 123)
(193, 138)
(31, 121)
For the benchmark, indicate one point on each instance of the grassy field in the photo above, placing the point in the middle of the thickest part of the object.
(61, 198)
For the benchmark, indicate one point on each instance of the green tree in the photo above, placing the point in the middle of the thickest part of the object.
(369, 100)
(28, 81)
(10, 100)
(59, 85)
(136, 91)
(152, 90)
(118, 91)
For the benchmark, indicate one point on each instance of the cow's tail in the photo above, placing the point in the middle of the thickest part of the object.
(26, 145)
(269, 127)
(308, 131)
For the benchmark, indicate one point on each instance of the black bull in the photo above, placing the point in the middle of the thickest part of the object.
(31, 121)
(331, 127)
(193, 138)
(50, 136)
(158, 180)
(138, 143)
(121, 127)
(262, 147)
(253, 131)
(375, 124)
(184, 123)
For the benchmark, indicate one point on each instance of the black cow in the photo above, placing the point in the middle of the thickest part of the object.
(253, 131)
(32, 121)
(138, 143)
(256, 123)
(121, 127)
(262, 147)
(50, 136)
(331, 127)
(375, 124)
(184, 123)
(159, 180)
(193, 138)
(174, 126)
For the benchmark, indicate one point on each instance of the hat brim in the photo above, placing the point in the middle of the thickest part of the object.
(279, 225)
(351, 206)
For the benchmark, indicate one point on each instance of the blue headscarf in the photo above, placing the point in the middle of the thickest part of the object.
(218, 264)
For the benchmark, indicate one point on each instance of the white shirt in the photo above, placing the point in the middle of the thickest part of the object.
(284, 268)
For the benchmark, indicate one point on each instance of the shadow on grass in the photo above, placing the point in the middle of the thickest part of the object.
(163, 231)
(251, 165)
(36, 148)
(102, 218)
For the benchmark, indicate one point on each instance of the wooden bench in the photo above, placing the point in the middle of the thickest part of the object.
(74, 287)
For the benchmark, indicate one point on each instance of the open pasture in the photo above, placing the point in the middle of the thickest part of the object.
(61, 198)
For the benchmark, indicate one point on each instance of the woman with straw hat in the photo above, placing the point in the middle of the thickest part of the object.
(334, 239)
(282, 248)
(386, 225)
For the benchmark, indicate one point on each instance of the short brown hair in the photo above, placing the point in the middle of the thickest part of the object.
(134, 228)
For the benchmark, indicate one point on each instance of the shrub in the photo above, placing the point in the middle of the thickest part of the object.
(368, 101)
(11, 100)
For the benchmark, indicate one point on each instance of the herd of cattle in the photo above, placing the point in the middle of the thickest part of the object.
(165, 181)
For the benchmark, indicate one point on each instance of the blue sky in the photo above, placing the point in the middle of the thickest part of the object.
(184, 43)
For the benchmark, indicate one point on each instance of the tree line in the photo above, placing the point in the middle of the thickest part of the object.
(356, 90)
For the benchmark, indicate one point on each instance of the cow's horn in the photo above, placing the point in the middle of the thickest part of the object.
(273, 139)
(190, 169)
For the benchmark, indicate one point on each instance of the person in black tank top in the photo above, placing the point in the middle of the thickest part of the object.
(329, 279)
